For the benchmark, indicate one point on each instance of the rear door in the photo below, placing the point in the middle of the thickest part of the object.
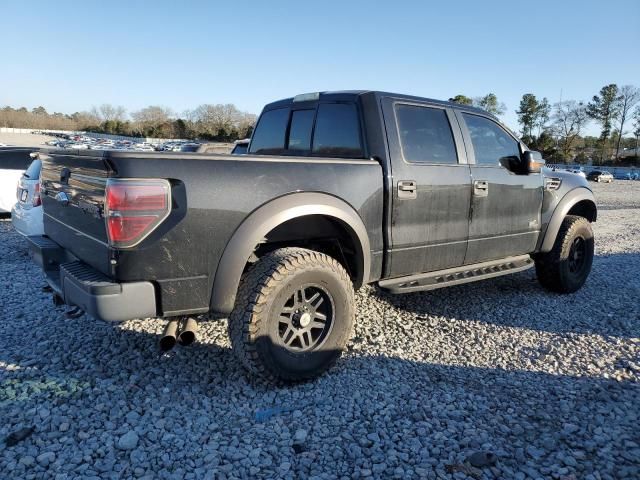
(431, 187)
(505, 206)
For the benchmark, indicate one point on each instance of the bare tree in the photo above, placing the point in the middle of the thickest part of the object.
(152, 116)
(569, 119)
(220, 120)
(107, 112)
(629, 96)
(636, 127)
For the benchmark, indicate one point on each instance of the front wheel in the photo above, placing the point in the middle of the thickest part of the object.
(293, 315)
(566, 267)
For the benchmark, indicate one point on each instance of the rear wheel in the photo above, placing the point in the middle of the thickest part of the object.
(293, 315)
(566, 267)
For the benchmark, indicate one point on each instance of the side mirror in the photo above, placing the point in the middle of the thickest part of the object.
(532, 161)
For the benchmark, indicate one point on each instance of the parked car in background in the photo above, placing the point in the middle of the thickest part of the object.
(13, 162)
(26, 214)
(600, 176)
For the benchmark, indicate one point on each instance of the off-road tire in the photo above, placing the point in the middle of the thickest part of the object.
(253, 324)
(554, 270)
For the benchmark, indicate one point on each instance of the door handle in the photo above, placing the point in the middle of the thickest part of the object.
(480, 188)
(407, 189)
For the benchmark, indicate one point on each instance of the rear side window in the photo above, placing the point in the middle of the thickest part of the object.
(425, 135)
(490, 141)
(269, 136)
(300, 130)
(337, 132)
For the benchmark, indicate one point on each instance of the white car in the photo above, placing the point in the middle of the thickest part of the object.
(13, 162)
(26, 214)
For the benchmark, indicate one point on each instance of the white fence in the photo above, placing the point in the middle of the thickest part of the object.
(88, 134)
(588, 168)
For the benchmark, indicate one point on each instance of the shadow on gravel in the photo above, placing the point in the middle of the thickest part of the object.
(608, 304)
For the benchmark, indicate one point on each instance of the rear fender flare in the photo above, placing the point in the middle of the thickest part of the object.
(267, 217)
(560, 212)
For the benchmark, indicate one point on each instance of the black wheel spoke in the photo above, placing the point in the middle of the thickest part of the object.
(306, 318)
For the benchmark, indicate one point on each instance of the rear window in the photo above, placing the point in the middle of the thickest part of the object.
(270, 133)
(300, 130)
(337, 132)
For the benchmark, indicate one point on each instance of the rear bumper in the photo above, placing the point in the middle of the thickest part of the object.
(80, 285)
(27, 222)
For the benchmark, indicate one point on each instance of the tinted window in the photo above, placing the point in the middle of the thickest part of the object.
(490, 142)
(189, 148)
(425, 135)
(300, 130)
(240, 149)
(337, 132)
(270, 132)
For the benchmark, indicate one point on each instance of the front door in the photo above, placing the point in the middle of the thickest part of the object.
(505, 206)
(431, 188)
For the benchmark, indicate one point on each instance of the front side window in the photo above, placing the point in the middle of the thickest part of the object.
(490, 142)
(425, 135)
(337, 132)
(270, 132)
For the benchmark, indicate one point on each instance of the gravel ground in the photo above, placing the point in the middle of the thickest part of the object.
(548, 385)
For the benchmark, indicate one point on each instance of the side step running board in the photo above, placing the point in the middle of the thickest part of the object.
(457, 275)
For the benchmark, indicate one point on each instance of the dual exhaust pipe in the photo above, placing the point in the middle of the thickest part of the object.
(182, 331)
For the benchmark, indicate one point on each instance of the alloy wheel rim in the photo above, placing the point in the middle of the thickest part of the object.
(577, 255)
(306, 318)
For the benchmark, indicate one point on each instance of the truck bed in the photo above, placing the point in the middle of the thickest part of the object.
(181, 256)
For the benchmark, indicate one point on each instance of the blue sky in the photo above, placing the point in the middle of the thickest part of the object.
(68, 56)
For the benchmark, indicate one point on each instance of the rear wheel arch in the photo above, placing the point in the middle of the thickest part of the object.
(274, 219)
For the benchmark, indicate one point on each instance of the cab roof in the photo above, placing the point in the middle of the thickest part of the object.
(352, 95)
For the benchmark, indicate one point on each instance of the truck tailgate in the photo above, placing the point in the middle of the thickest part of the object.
(73, 186)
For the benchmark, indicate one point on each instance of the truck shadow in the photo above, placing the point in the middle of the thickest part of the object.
(519, 301)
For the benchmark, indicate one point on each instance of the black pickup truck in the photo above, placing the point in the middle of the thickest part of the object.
(337, 190)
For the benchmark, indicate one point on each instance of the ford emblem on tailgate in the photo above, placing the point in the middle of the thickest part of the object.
(63, 198)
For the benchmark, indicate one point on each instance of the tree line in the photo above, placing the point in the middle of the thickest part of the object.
(221, 122)
(558, 130)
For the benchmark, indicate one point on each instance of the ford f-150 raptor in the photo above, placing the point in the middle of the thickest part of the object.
(337, 190)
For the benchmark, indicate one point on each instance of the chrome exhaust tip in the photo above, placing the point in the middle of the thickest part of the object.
(168, 339)
(188, 331)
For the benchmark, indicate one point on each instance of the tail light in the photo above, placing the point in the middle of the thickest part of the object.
(134, 208)
(37, 201)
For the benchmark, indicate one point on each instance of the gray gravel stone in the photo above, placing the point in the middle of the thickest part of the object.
(549, 383)
(46, 458)
(128, 441)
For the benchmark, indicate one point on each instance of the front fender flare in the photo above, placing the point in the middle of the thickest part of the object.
(560, 212)
(261, 221)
